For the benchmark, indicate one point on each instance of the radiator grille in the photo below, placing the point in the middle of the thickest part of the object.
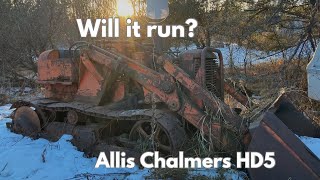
(197, 64)
(211, 82)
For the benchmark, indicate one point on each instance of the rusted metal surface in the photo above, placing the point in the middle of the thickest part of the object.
(100, 69)
(120, 91)
(58, 73)
(89, 86)
(54, 130)
(121, 85)
(210, 100)
(26, 122)
(92, 69)
(86, 137)
(159, 86)
(227, 136)
(295, 120)
(205, 66)
(60, 91)
(82, 136)
(214, 71)
(293, 159)
(53, 67)
(236, 95)
(169, 134)
(91, 82)
(73, 117)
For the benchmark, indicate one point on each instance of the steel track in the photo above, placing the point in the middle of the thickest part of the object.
(169, 122)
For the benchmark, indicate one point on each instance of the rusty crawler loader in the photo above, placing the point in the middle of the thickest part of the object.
(99, 92)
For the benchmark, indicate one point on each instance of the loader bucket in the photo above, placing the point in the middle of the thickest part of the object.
(293, 159)
(294, 119)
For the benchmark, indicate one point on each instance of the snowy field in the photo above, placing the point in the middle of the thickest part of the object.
(23, 158)
(239, 54)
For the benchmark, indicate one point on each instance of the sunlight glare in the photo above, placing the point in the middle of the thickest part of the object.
(125, 8)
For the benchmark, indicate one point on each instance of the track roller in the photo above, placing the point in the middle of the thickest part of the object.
(72, 117)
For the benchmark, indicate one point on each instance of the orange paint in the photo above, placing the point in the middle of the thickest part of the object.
(119, 92)
(53, 68)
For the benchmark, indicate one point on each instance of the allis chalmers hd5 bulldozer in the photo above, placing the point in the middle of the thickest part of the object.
(97, 93)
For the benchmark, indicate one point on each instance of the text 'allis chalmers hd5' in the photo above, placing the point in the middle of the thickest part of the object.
(97, 94)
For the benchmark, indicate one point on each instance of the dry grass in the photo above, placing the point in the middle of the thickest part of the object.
(169, 174)
(268, 80)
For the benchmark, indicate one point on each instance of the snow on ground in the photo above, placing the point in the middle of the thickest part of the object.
(24, 158)
(239, 54)
(5, 111)
(313, 144)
